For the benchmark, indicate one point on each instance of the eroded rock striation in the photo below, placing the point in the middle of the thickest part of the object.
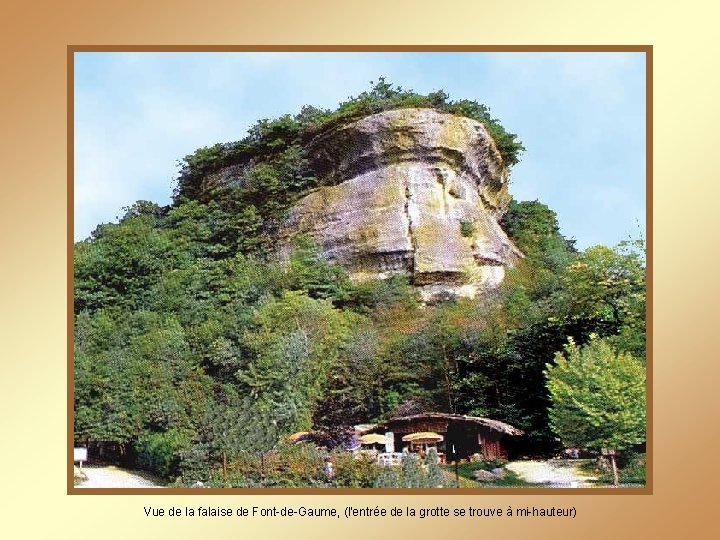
(414, 192)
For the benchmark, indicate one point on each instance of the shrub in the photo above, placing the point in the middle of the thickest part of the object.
(161, 452)
(467, 229)
(355, 473)
(195, 464)
(413, 474)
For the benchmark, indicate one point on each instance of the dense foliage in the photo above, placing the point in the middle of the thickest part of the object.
(598, 397)
(194, 352)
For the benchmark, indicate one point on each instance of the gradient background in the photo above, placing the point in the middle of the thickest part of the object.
(33, 295)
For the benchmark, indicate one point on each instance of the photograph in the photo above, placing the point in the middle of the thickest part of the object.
(360, 270)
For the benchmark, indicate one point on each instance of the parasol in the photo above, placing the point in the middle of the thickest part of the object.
(373, 438)
(423, 437)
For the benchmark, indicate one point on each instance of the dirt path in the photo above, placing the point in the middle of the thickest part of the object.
(551, 473)
(115, 477)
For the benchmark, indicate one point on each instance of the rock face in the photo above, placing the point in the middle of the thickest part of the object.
(488, 476)
(413, 192)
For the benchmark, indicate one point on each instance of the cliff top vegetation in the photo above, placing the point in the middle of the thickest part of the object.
(271, 141)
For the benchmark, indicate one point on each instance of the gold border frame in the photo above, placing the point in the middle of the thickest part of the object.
(647, 49)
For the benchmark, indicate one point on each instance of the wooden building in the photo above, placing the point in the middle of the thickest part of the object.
(463, 435)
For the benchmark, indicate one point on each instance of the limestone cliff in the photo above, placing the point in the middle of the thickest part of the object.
(410, 191)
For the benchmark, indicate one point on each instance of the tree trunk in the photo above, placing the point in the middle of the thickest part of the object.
(614, 469)
(262, 468)
(448, 380)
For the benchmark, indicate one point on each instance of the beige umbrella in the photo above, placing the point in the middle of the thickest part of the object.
(423, 437)
(373, 438)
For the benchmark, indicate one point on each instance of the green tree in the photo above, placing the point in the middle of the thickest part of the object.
(295, 344)
(309, 272)
(240, 427)
(118, 265)
(434, 476)
(534, 229)
(603, 291)
(598, 398)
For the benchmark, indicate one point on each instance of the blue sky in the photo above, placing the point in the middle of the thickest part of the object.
(581, 117)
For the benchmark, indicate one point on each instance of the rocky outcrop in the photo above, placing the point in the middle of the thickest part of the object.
(414, 192)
